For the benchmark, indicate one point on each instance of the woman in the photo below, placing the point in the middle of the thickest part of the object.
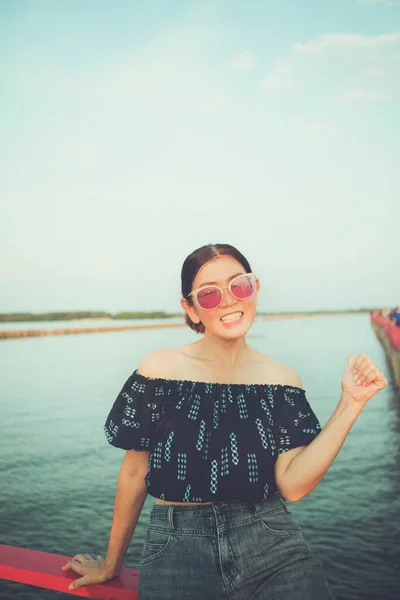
(222, 436)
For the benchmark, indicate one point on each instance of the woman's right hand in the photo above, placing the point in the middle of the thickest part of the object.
(93, 570)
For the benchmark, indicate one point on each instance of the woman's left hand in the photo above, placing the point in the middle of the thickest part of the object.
(362, 379)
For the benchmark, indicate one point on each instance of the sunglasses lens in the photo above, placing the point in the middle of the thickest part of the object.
(209, 298)
(243, 287)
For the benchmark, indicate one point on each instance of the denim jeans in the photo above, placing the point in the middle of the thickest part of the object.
(229, 551)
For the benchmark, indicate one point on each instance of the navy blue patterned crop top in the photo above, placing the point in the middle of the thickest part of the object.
(210, 441)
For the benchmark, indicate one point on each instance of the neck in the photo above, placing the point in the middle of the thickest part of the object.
(223, 353)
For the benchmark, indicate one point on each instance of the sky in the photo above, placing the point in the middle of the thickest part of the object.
(133, 133)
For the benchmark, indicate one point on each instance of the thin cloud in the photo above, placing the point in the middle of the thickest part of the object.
(344, 40)
(104, 264)
(323, 128)
(376, 2)
(282, 79)
(351, 68)
(215, 105)
(356, 97)
(243, 61)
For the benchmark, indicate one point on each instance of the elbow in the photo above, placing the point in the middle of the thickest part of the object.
(286, 493)
(289, 498)
(291, 495)
(286, 487)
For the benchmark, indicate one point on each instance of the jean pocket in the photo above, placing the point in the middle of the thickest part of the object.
(280, 523)
(155, 544)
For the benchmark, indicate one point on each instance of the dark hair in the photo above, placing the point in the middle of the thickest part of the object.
(193, 264)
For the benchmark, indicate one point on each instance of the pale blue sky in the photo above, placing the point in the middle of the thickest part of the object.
(134, 132)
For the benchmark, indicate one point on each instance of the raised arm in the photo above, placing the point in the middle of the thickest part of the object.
(361, 381)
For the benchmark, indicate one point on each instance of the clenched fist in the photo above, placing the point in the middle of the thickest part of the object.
(362, 379)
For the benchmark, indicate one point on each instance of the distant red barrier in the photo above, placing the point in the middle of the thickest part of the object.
(387, 325)
(394, 334)
(392, 330)
(43, 569)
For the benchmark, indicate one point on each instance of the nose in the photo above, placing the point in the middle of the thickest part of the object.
(227, 298)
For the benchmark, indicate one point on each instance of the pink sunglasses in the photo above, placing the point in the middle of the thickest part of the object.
(210, 297)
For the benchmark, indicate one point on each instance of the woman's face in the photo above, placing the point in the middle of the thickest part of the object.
(220, 271)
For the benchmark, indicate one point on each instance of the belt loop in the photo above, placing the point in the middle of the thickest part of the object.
(214, 507)
(171, 517)
(257, 508)
(278, 496)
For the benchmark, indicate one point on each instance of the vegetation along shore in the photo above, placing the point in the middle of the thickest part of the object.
(159, 314)
(99, 315)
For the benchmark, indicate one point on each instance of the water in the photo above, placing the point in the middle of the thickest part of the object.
(58, 472)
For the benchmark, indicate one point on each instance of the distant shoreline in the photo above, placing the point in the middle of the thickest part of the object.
(24, 333)
(266, 317)
(132, 316)
(284, 316)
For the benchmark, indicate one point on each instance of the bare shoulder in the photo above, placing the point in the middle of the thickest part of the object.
(289, 376)
(158, 363)
(274, 371)
(169, 363)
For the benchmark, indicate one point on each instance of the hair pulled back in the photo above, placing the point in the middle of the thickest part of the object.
(193, 264)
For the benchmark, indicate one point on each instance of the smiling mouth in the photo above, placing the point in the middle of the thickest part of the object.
(232, 317)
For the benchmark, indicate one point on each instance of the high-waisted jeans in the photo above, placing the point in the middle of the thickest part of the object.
(229, 551)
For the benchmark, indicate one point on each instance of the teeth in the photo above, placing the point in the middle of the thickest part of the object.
(232, 317)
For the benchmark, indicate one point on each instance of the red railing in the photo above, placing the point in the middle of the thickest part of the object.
(391, 329)
(43, 569)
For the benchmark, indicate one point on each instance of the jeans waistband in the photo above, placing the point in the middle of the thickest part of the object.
(171, 516)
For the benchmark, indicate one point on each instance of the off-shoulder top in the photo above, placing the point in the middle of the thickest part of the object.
(210, 441)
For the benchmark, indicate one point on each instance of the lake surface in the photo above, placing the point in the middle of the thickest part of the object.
(58, 473)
